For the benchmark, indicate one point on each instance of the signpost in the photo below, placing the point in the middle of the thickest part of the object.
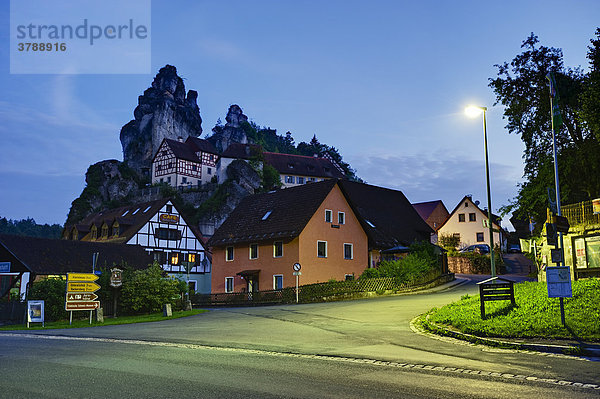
(4, 267)
(80, 293)
(297, 266)
(35, 312)
(558, 279)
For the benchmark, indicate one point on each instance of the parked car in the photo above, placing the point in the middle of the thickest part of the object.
(514, 249)
(479, 248)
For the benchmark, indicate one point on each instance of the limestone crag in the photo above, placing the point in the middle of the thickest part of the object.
(163, 111)
(232, 132)
(107, 182)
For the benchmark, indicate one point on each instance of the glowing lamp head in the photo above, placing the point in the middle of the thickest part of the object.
(474, 111)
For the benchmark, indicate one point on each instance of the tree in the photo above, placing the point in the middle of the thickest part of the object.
(522, 88)
(590, 99)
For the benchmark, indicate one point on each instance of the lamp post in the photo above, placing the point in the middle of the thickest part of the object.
(473, 111)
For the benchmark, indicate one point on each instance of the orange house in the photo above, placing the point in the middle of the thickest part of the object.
(261, 240)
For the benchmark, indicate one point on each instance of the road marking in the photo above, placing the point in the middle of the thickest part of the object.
(375, 362)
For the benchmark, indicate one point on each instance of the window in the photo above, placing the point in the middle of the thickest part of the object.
(94, 232)
(253, 251)
(456, 236)
(300, 180)
(191, 258)
(461, 217)
(349, 277)
(105, 231)
(328, 215)
(341, 217)
(311, 180)
(167, 234)
(194, 168)
(290, 165)
(169, 207)
(147, 209)
(266, 215)
(278, 249)
(466, 204)
(136, 211)
(212, 157)
(115, 230)
(348, 252)
(209, 171)
(160, 257)
(125, 213)
(175, 258)
(229, 254)
(289, 179)
(472, 217)
(322, 249)
(278, 281)
(228, 284)
(192, 286)
(183, 180)
(169, 179)
(480, 237)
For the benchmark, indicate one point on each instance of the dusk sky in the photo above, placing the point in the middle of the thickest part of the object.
(385, 82)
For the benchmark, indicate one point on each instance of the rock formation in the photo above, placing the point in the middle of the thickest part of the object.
(163, 111)
(232, 132)
(107, 183)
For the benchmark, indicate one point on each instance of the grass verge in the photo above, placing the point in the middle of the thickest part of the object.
(534, 316)
(108, 321)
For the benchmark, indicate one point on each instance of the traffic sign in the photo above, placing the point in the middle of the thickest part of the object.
(82, 277)
(82, 287)
(562, 224)
(81, 296)
(89, 305)
(297, 267)
(486, 223)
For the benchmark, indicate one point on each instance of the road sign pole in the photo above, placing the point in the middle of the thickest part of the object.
(297, 288)
(70, 317)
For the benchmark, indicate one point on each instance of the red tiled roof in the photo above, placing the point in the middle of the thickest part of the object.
(288, 164)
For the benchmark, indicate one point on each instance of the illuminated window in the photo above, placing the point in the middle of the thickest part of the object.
(105, 231)
(175, 258)
(191, 258)
(94, 232)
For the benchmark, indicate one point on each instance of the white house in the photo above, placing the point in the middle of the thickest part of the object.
(160, 229)
(466, 222)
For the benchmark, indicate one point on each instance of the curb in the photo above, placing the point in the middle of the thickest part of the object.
(575, 349)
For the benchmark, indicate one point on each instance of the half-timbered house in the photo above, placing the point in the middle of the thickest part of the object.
(158, 227)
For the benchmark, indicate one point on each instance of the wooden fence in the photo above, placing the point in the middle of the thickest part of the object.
(321, 292)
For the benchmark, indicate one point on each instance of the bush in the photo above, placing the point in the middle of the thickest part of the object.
(147, 291)
(52, 292)
(420, 261)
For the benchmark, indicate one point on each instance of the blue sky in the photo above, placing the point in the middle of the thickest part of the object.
(385, 82)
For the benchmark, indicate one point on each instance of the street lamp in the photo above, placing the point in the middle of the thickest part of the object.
(472, 112)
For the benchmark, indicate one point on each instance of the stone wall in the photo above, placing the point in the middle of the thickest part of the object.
(460, 265)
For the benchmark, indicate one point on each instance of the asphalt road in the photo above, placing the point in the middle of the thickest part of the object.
(362, 348)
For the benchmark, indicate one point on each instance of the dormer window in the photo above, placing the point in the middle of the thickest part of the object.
(115, 230)
(290, 165)
(105, 231)
(94, 232)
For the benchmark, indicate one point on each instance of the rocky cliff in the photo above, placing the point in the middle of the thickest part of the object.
(232, 132)
(163, 111)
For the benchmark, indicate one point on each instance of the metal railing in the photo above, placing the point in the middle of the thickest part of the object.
(581, 213)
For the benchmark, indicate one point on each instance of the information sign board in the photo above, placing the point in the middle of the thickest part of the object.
(558, 279)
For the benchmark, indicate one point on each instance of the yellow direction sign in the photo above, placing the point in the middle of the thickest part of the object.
(82, 287)
(81, 277)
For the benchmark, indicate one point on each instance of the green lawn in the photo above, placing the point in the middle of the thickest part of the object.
(108, 321)
(535, 315)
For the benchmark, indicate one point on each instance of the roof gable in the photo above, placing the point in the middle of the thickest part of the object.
(425, 209)
(290, 210)
(472, 205)
(386, 215)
